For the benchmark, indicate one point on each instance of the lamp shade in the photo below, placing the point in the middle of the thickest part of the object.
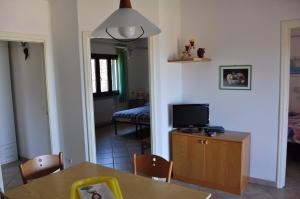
(126, 23)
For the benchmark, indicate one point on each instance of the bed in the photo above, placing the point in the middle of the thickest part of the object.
(294, 128)
(139, 117)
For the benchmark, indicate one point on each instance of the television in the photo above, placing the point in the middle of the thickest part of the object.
(190, 115)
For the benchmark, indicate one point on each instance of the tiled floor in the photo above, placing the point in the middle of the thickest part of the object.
(11, 175)
(116, 151)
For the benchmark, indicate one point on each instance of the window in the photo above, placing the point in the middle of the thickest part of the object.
(104, 75)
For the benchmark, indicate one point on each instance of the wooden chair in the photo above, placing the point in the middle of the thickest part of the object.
(41, 166)
(152, 166)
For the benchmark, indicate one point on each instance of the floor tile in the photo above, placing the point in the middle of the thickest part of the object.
(121, 154)
(105, 160)
(123, 160)
(104, 155)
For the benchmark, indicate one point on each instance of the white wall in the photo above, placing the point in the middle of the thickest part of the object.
(69, 74)
(240, 32)
(33, 17)
(21, 16)
(170, 80)
(138, 71)
(8, 147)
(30, 102)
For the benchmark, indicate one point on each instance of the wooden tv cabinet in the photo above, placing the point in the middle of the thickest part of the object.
(220, 162)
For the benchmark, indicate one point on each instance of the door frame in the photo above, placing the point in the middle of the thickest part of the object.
(89, 102)
(286, 27)
(49, 79)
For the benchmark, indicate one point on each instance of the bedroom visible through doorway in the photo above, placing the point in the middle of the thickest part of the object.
(120, 85)
(293, 146)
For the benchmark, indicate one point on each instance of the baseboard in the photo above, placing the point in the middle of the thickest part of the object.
(262, 182)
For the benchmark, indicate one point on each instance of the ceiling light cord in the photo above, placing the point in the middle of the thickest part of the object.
(123, 40)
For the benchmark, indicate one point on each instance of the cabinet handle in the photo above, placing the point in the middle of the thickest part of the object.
(205, 142)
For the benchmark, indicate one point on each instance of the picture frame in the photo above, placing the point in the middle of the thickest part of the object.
(235, 77)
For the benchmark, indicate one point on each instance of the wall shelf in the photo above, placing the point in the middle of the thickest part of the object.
(191, 60)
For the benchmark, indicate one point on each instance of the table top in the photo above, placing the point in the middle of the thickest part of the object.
(57, 185)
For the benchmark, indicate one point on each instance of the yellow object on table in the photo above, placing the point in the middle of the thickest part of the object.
(111, 182)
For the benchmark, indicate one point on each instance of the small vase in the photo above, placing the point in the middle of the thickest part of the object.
(200, 52)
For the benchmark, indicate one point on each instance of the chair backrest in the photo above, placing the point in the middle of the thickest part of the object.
(152, 166)
(41, 166)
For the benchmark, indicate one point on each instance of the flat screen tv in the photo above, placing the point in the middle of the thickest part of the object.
(190, 115)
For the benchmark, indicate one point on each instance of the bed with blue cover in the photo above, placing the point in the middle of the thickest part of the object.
(139, 116)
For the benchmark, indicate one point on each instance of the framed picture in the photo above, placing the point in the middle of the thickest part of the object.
(235, 77)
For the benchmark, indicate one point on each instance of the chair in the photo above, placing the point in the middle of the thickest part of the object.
(41, 166)
(152, 166)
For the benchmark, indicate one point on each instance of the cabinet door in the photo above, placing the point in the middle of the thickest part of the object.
(188, 156)
(223, 163)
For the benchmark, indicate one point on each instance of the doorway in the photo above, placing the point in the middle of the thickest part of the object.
(89, 101)
(286, 33)
(120, 79)
(293, 147)
(28, 95)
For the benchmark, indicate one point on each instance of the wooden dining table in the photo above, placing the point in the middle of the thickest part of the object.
(58, 185)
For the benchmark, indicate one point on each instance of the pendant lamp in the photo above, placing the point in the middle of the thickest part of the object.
(126, 24)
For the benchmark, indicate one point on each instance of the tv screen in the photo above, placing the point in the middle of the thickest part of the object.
(190, 115)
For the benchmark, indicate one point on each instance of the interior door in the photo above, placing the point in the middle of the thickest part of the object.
(8, 151)
(30, 101)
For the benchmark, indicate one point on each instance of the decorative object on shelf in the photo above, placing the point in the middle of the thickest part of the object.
(25, 49)
(235, 77)
(126, 24)
(187, 53)
(295, 65)
(200, 52)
